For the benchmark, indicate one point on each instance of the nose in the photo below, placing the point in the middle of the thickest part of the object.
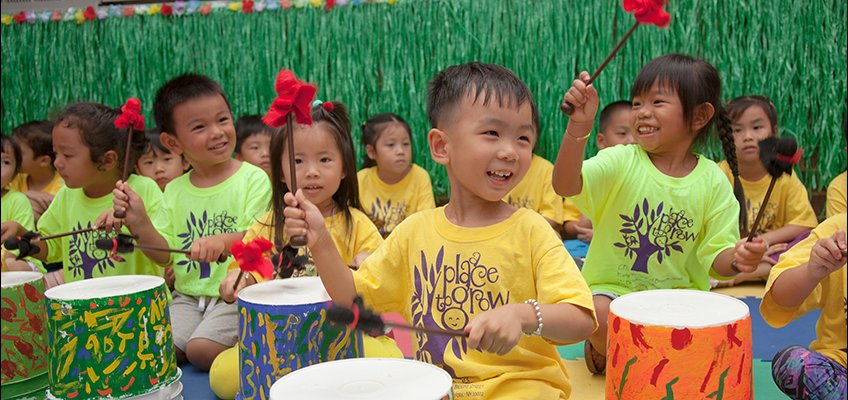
(507, 152)
(311, 171)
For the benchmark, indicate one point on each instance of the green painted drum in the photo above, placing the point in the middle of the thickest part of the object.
(109, 338)
(23, 368)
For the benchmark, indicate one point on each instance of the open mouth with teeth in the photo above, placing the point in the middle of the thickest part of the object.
(647, 130)
(312, 188)
(499, 175)
(218, 146)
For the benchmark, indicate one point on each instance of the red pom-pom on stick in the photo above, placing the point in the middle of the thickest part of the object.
(129, 119)
(252, 257)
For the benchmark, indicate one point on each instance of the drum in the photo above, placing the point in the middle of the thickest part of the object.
(23, 371)
(682, 344)
(282, 328)
(110, 337)
(365, 378)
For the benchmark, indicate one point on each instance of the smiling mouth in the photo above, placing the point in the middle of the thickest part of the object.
(218, 146)
(647, 130)
(499, 175)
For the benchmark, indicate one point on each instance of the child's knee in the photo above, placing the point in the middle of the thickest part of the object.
(202, 352)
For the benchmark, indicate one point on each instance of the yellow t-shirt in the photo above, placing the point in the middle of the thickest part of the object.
(536, 192)
(388, 205)
(788, 204)
(836, 193)
(363, 237)
(20, 184)
(440, 275)
(829, 295)
(570, 211)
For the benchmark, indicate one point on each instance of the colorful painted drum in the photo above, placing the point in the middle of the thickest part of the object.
(283, 327)
(110, 338)
(23, 368)
(682, 344)
(366, 378)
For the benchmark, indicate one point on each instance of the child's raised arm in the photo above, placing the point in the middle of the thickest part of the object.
(792, 287)
(304, 219)
(566, 178)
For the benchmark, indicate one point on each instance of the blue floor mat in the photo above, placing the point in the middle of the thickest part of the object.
(196, 384)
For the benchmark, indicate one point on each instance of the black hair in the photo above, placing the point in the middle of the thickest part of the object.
(38, 135)
(247, 126)
(16, 151)
(374, 127)
(449, 87)
(179, 90)
(346, 197)
(736, 107)
(154, 143)
(696, 82)
(96, 125)
(611, 109)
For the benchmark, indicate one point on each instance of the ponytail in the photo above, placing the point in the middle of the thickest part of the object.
(725, 134)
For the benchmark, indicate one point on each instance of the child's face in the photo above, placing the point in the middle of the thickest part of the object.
(748, 130)
(205, 133)
(7, 158)
(160, 166)
(73, 157)
(28, 161)
(256, 150)
(658, 120)
(487, 148)
(619, 130)
(393, 149)
(318, 164)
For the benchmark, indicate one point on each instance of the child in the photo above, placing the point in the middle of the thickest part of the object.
(325, 159)
(838, 188)
(665, 216)
(204, 211)
(460, 266)
(811, 275)
(38, 178)
(615, 126)
(89, 152)
(254, 141)
(788, 216)
(16, 211)
(535, 192)
(391, 187)
(158, 163)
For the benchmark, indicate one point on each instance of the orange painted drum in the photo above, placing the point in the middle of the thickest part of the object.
(678, 344)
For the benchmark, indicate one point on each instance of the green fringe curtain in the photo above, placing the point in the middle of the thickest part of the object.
(379, 58)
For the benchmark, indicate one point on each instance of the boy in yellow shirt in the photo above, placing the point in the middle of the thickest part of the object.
(477, 264)
(38, 178)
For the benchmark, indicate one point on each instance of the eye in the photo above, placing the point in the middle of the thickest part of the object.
(736, 129)
(298, 161)
(196, 128)
(223, 119)
(326, 159)
(491, 133)
(524, 138)
(168, 158)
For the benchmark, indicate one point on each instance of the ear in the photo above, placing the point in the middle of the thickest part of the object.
(43, 161)
(171, 143)
(701, 117)
(601, 140)
(370, 152)
(108, 161)
(439, 142)
(185, 163)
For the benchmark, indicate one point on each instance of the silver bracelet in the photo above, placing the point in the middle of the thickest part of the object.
(538, 310)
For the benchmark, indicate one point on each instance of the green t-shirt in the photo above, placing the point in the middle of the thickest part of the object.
(15, 206)
(71, 210)
(653, 231)
(189, 212)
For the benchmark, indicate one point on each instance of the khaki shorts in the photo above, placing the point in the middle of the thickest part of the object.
(192, 318)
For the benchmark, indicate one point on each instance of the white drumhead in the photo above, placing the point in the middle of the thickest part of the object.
(364, 378)
(15, 278)
(108, 286)
(677, 308)
(284, 292)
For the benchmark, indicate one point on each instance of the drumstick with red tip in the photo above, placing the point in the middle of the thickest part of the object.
(251, 257)
(123, 243)
(359, 317)
(130, 119)
(778, 156)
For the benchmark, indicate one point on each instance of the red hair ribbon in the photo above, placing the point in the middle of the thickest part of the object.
(251, 256)
(648, 11)
(130, 115)
(293, 96)
(793, 159)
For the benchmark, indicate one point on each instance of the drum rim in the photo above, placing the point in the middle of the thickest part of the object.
(4, 278)
(245, 295)
(679, 291)
(75, 291)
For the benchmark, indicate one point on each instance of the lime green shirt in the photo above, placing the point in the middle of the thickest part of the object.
(653, 231)
(189, 212)
(15, 206)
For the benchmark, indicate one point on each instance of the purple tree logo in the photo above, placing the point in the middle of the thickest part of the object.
(202, 226)
(651, 231)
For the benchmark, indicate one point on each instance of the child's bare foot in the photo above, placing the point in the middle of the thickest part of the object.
(595, 361)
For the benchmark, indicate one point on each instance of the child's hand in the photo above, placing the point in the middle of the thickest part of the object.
(169, 277)
(827, 255)
(207, 249)
(10, 229)
(108, 222)
(303, 218)
(749, 254)
(226, 288)
(39, 201)
(584, 99)
(584, 234)
(496, 331)
(128, 201)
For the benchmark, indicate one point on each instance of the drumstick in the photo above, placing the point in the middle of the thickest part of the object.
(124, 244)
(366, 320)
(14, 243)
(295, 241)
(778, 156)
(130, 119)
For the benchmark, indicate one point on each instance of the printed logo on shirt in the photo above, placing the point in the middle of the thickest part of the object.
(203, 226)
(85, 258)
(767, 223)
(447, 293)
(386, 216)
(652, 232)
(521, 202)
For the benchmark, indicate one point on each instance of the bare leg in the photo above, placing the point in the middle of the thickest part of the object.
(599, 337)
(202, 352)
(181, 356)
